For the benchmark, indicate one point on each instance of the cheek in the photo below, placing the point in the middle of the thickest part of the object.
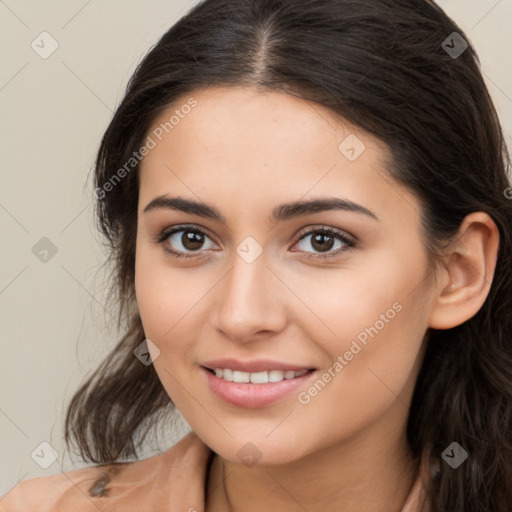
(364, 380)
(173, 303)
(374, 321)
(163, 294)
(342, 303)
(165, 300)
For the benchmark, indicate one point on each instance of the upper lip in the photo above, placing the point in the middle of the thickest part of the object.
(257, 365)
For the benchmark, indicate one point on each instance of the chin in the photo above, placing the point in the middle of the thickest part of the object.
(257, 450)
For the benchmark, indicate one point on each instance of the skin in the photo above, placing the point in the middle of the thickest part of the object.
(245, 151)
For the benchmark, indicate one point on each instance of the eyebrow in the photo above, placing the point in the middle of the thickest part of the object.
(280, 213)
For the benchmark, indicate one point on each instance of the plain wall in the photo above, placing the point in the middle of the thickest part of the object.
(55, 326)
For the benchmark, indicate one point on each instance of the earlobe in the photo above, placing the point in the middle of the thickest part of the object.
(468, 272)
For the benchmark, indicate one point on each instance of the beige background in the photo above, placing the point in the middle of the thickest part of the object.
(55, 326)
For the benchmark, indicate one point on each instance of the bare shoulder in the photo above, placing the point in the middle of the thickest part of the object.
(47, 493)
(175, 477)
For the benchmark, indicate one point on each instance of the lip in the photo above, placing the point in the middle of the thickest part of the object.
(250, 395)
(259, 365)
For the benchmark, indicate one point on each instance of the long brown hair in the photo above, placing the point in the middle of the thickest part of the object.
(385, 66)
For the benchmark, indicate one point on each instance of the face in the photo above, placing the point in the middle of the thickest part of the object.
(339, 291)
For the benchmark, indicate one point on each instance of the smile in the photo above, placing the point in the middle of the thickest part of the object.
(257, 377)
(255, 389)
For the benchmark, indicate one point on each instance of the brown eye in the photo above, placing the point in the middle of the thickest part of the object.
(324, 240)
(192, 240)
(180, 240)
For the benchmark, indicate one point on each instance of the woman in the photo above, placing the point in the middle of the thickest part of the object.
(307, 208)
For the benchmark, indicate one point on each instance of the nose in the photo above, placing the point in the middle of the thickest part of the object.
(250, 301)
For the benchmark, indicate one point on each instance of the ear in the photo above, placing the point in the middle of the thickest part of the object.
(467, 273)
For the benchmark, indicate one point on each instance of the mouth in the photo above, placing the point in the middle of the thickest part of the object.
(262, 377)
(251, 390)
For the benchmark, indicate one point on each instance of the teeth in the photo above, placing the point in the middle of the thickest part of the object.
(275, 375)
(241, 376)
(259, 377)
(256, 377)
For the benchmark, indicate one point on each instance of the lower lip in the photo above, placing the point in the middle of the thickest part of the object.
(252, 395)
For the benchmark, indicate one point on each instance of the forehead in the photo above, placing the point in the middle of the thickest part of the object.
(245, 120)
(258, 147)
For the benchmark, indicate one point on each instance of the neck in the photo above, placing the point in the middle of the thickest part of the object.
(371, 471)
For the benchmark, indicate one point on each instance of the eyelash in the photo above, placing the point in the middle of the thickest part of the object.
(338, 235)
